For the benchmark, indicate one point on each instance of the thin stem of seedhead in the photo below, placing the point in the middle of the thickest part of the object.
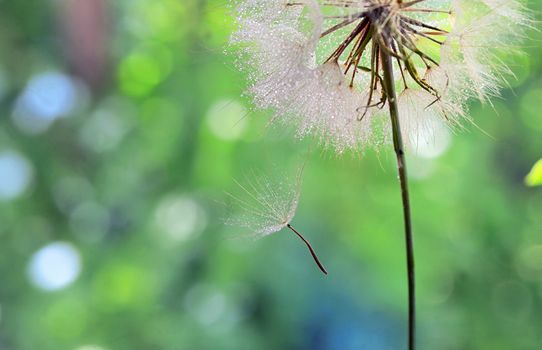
(403, 179)
(313, 253)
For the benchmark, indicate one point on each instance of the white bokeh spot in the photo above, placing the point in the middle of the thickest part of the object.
(180, 218)
(15, 175)
(47, 97)
(227, 119)
(432, 142)
(55, 266)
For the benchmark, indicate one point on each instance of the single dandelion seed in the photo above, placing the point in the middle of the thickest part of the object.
(268, 207)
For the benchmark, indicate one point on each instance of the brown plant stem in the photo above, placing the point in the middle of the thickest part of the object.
(313, 253)
(389, 85)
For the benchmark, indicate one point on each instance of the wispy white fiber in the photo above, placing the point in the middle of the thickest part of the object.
(288, 46)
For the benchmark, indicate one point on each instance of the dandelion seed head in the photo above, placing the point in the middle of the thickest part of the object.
(317, 63)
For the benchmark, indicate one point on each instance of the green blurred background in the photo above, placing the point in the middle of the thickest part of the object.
(121, 126)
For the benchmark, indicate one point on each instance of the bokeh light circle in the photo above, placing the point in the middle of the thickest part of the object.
(227, 119)
(55, 266)
(15, 175)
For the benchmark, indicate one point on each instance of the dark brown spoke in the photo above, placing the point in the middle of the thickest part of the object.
(342, 24)
(339, 51)
(311, 250)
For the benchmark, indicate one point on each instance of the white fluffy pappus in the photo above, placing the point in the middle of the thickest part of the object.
(265, 207)
(316, 64)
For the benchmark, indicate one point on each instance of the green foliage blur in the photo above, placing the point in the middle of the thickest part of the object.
(122, 124)
(534, 178)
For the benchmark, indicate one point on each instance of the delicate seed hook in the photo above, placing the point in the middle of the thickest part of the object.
(313, 253)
